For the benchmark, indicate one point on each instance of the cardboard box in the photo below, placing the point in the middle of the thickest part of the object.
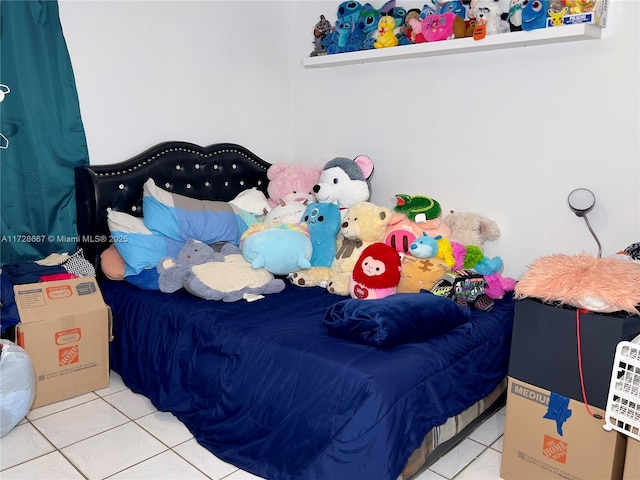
(548, 436)
(632, 460)
(65, 328)
(544, 349)
(596, 14)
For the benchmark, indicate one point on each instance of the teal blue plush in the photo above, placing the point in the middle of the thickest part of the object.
(323, 221)
(278, 249)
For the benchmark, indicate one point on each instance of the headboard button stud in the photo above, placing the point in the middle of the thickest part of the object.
(121, 186)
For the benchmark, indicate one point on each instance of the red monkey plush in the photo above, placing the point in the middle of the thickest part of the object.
(376, 274)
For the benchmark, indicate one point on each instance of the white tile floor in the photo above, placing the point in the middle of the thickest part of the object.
(116, 434)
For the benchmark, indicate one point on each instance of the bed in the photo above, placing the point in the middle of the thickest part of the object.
(262, 384)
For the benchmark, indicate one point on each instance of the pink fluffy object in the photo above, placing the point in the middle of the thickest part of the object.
(459, 251)
(583, 281)
(496, 285)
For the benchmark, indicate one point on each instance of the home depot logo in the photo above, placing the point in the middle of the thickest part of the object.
(555, 449)
(68, 355)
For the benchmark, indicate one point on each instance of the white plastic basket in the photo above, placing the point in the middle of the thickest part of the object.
(623, 404)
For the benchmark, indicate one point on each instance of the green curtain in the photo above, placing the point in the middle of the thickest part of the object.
(42, 137)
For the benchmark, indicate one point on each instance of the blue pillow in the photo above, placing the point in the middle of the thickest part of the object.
(139, 247)
(394, 320)
(182, 218)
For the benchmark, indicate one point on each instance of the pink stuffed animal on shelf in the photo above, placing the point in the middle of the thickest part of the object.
(444, 26)
(414, 26)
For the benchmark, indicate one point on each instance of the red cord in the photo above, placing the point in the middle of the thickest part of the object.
(584, 392)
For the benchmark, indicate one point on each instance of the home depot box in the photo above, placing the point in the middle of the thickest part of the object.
(544, 349)
(548, 436)
(632, 460)
(64, 327)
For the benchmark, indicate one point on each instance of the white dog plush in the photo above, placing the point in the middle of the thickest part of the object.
(345, 182)
(489, 12)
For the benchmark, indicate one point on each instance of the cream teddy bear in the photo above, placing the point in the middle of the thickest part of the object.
(363, 224)
(470, 228)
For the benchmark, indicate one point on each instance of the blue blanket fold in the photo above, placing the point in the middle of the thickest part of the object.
(394, 320)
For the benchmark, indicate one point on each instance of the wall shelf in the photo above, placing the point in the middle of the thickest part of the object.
(543, 36)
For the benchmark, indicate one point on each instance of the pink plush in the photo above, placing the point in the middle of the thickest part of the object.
(401, 232)
(497, 285)
(459, 251)
(291, 183)
(583, 281)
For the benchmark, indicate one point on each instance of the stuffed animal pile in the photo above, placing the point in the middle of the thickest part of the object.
(318, 228)
(361, 26)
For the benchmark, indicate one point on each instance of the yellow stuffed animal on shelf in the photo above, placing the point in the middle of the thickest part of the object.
(385, 37)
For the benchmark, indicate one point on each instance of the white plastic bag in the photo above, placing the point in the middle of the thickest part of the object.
(17, 385)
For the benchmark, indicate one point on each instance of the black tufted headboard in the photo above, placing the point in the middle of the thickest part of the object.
(216, 172)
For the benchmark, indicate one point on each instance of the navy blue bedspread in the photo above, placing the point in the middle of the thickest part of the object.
(263, 386)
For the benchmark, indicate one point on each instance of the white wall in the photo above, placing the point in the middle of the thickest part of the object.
(196, 71)
(507, 133)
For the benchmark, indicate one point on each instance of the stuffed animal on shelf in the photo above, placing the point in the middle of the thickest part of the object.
(534, 14)
(345, 182)
(291, 183)
(376, 273)
(414, 26)
(429, 8)
(369, 18)
(471, 228)
(341, 39)
(363, 224)
(443, 26)
(229, 279)
(489, 13)
(514, 16)
(279, 248)
(400, 31)
(385, 36)
(171, 271)
(455, 6)
(557, 18)
(579, 6)
(323, 221)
